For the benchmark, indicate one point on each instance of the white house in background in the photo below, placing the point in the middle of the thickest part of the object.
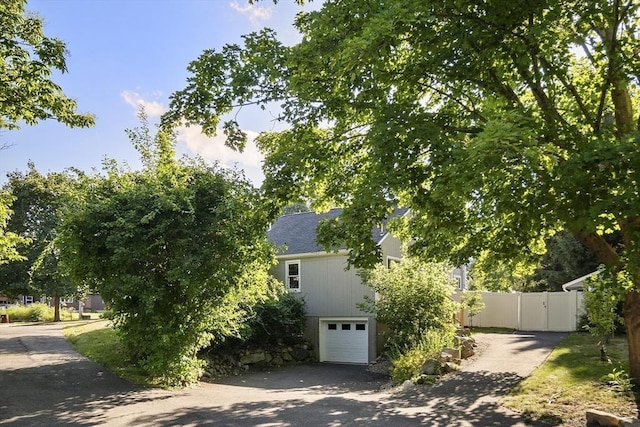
(340, 332)
(577, 284)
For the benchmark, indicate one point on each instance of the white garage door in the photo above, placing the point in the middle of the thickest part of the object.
(344, 341)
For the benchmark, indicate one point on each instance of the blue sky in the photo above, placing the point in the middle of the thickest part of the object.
(123, 53)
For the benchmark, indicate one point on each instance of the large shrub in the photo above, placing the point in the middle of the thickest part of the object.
(279, 320)
(175, 250)
(414, 298)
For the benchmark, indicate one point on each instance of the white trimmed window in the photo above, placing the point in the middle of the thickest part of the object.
(292, 270)
(28, 299)
(458, 282)
(391, 260)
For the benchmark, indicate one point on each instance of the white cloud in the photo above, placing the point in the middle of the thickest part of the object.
(213, 149)
(152, 108)
(256, 14)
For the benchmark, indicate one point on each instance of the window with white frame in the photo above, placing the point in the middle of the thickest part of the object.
(292, 269)
(458, 279)
(28, 299)
(391, 260)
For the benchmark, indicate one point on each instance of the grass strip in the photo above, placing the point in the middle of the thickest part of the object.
(571, 381)
(99, 342)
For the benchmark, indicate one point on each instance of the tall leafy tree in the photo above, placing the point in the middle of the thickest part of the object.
(175, 250)
(27, 92)
(498, 123)
(565, 259)
(37, 202)
(9, 241)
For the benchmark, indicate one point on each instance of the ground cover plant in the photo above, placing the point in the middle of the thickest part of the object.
(574, 379)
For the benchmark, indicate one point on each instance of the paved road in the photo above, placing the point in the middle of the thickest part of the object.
(43, 381)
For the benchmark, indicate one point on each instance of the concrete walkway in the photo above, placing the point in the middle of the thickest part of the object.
(43, 381)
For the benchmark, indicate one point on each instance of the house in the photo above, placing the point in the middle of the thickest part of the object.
(577, 284)
(340, 332)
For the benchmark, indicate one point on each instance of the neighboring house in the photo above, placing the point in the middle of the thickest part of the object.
(339, 331)
(577, 284)
(461, 274)
(93, 302)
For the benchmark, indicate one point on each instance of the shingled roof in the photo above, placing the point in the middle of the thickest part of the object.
(297, 232)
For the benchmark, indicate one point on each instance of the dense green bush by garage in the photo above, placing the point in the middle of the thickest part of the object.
(279, 320)
(415, 304)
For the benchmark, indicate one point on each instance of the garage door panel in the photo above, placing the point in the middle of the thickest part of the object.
(345, 341)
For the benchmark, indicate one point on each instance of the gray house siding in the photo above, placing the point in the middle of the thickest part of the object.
(330, 289)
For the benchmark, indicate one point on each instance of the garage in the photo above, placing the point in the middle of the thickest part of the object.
(344, 340)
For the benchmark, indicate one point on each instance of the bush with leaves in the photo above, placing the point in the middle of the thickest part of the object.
(414, 298)
(602, 295)
(406, 364)
(279, 320)
(176, 251)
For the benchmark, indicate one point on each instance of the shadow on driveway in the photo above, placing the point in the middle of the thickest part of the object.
(43, 381)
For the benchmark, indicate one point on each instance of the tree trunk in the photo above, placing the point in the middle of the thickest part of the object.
(632, 322)
(56, 309)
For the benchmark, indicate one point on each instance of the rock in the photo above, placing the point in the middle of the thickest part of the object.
(277, 361)
(286, 356)
(430, 367)
(601, 418)
(299, 354)
(629, 422)
(453, 352)
(251, 358)
(467, 347)
(408, 385)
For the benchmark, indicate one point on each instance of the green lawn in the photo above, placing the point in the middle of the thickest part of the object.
(99, 342)
(569, 382)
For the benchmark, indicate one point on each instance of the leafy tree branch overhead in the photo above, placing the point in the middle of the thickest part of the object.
(27, 92)
(497, 123)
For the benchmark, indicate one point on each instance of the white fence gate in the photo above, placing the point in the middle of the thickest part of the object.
(531, 311)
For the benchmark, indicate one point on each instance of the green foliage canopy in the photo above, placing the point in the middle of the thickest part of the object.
(37, 200)
(27, 59)
(497, 123)
(175, 250)
(9, 241)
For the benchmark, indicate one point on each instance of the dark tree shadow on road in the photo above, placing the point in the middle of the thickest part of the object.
(464, 399)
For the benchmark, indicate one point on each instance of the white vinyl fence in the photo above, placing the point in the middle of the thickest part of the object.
(531, 311)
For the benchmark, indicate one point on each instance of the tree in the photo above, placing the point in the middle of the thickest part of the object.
(565, 259)
(27, 92)
(37, 202)
(175, 250)
(9, 241)
(499, 275)
(473, 303)
(497, 123)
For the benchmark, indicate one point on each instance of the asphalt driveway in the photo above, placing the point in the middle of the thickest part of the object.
(43, 381)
